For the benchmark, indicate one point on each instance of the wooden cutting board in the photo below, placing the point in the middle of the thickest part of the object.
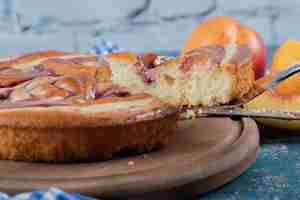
(205, 154)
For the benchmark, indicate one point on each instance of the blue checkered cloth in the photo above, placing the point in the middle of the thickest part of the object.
(50, 194)
(103, 47)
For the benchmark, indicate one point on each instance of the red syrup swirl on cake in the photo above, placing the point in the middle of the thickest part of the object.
(65, 80)
(145, 68)
(209, 57)
(46, 84)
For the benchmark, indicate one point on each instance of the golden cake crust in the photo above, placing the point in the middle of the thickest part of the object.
(125, 56)
(29, 57)
(99, 113)
(84, 144)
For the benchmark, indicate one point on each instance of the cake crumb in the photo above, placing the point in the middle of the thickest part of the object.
(145, 156)
(190, 114)
(131, 163)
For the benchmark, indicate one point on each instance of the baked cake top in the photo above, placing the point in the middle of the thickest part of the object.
(58, 89)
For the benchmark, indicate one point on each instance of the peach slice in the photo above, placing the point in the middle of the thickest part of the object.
(287, 54)
(285, 96)
(278, 99)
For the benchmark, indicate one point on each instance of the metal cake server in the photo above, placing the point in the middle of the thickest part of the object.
(235, 109)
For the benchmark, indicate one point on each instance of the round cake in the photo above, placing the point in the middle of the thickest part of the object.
(58, 107)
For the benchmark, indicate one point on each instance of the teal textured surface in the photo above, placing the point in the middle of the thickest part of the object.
(275, 175)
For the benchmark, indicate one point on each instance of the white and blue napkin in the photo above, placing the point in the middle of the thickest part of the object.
(50, 194)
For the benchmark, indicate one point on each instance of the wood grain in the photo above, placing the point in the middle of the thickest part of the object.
(205, 154)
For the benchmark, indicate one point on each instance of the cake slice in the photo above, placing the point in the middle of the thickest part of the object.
(207, 76)
(215, 75)
(149, 73)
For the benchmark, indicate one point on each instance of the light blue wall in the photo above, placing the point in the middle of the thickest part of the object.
(139, 25)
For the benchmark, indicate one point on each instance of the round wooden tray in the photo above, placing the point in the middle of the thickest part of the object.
(205, 154)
